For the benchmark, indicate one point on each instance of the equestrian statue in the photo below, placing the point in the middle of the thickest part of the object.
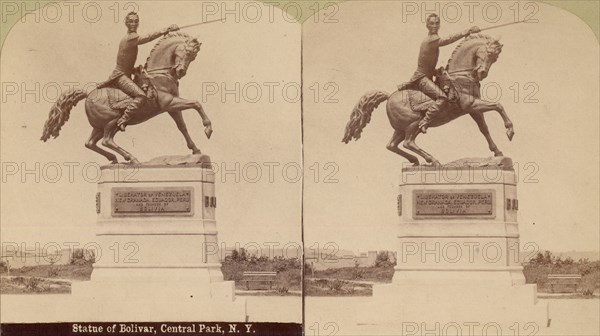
(122, 100)
(434, 97)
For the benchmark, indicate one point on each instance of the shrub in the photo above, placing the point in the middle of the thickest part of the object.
(308, 269)
(383, 259)
(336, 285)
(90, 256)
(289, 278)
(282, 290)
(53, 272)
(79, 262)
(358, 273)
(80, 256)
(77, 254)
(32, 283)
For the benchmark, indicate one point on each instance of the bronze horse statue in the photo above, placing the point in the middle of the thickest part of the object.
(469, 64)
(167, 63)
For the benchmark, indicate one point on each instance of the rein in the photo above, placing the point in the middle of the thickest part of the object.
(461, 70)
(165, 74)
(147, 72)
(158, 69)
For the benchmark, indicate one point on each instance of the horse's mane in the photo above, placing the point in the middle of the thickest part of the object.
(163, 39)
(467, 39)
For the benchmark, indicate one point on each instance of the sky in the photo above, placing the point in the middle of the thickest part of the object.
(546, 78)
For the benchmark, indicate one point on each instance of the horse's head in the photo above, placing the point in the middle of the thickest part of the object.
(173, 54)
(185, 53)
(486, 55)
(474, 56)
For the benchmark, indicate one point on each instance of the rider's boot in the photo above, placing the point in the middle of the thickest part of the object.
(131, 109)
(432, 111)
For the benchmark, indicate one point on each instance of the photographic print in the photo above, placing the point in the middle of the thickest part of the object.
(299, 168)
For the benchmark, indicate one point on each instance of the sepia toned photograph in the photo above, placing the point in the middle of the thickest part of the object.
(300, 168)
(152, 167)
(457, 202)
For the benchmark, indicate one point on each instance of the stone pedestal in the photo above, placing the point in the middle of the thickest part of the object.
(158, 254)
(458, 251)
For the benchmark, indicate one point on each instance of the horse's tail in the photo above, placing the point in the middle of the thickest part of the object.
(361, 114)
(60, 112)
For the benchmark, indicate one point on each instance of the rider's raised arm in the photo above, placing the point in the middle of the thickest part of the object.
(152, 36)
(452, 38)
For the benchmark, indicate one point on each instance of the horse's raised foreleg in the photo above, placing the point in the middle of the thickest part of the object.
(480, 120)
(110, 129)
(178, 118)
(180, 104)
(91, 144)
(393, 146)
(412, 131)
(480, 106)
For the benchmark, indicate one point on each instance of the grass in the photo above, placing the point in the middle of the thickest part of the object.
(374, 274)
(71, 272)
(33, 285)
(336, 287)
(43, 279)
(348, 281)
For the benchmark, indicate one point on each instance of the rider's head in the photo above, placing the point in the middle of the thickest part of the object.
(132, 21)
(433, 23)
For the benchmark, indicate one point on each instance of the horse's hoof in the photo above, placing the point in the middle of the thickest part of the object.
(499, 154)
(416, 163)
(510, 133)
(436, 163)
(197, 152)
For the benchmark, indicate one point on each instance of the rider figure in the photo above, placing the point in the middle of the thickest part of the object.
(126, 57)
(428, 57)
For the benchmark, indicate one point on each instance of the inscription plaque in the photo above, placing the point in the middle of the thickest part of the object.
(453, 203)
(168, 201)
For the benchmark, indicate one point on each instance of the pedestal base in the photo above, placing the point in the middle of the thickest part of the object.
(159, 301)
(157, 256)
(449, 309)
(458, 265)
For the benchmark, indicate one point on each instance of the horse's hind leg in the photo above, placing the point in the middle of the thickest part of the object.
(393, 146)
(91, 144)
(411, 134)
(109, 132)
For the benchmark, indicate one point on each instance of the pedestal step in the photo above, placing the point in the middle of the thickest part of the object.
(448, 306)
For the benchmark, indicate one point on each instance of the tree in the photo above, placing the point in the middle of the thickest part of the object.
(538, 259)
(243, 254)
(548, 258)
(235, 256)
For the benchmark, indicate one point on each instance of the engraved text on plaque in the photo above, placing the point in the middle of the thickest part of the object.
(152, 201)
(452, 203)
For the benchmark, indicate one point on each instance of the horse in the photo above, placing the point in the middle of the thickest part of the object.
(469, 63)
(166, 64)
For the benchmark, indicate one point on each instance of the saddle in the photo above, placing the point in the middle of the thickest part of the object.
(118, 100)
(420, 102)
